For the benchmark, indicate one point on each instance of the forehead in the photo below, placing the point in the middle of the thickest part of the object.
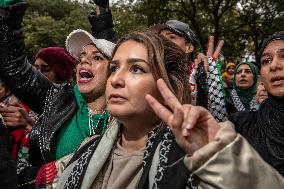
(167, 31)
(39, 61)
(131, 49)
(243, 67)
(89, 47)
(273, 47)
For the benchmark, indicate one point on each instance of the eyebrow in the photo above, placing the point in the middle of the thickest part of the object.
(130, 61)
(93, 52)
(270, 54)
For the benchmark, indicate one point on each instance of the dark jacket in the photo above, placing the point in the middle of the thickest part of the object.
(8, 174)
(55, 104)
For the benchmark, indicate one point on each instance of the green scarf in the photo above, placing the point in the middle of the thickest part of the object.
(77, 129)
(246, 95)
(6, 3)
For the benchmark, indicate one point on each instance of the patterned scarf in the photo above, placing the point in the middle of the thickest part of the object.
(81, 126)
(170, 162)
(253, 105)
(216, 93)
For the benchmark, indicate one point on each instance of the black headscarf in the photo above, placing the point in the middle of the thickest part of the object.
(264, 129)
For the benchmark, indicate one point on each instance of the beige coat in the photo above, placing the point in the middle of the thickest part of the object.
(230, 162)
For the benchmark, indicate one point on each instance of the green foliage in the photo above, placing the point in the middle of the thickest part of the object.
(243, 24)
(127, 19)
(48, 22)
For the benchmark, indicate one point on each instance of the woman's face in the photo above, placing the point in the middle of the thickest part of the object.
(244, 77)
(261, 93)
(91, 72)
(272, 68)
(130, 80)
(46, 70)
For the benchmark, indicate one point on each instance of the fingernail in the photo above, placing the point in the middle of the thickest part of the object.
(188, 126)
(184, 132)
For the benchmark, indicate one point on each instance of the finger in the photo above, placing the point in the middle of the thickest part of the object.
(196, 114)
(14, 103)
(176, 121)
(167, 94)
(218, 49)
(26, 116)
(9, 109)
(206, 64)
(186, 109)
(9, 115)
(196, 62)
(160, 110)
(210, 46)
(204, 59)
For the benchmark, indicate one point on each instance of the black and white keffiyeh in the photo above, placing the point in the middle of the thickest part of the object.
(238, 103)
(216, 94)
(170, 163)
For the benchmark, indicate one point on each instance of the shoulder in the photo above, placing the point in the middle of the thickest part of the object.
(243, 120)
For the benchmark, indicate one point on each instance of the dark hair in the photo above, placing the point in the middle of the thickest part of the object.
(166, 61)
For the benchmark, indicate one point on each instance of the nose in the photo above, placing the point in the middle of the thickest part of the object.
(85, 60)
(243, 73)
(117, 79)
(276, 64)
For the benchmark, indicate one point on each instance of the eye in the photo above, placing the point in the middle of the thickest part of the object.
(248, 71)
(137, 69)
(97, 57)
(266, 61)
(172, 36)
(113, 68)
(238, 71)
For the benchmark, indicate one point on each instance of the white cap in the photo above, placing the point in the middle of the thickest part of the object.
(79, 38)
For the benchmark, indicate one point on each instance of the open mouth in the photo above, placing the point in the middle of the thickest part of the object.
(85, 75)
(277, 79)
(243, 81)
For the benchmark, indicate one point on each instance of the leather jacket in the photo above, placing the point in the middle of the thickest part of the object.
(55, 104)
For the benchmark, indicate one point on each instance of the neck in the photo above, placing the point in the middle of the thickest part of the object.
(135, 134)
(98, 105)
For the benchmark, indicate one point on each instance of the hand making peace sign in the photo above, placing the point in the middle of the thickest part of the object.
(210, 53)
(193, 126)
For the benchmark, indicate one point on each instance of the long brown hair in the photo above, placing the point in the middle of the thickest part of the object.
(166, 61)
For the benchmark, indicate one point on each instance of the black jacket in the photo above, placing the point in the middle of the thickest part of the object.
(55, 104)
(8, 174)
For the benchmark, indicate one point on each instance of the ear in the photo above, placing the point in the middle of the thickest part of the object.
(189, 48)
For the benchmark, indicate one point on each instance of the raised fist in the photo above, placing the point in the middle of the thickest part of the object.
(6, 3)
(101, 3)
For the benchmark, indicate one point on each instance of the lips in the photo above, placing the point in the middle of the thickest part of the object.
(243, 81)
(277, 80)
(85, 75)
(116, 98)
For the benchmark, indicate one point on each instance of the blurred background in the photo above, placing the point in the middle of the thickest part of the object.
(243, 24)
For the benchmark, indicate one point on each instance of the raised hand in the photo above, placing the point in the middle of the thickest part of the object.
(101, 3)
(6, 3)
(211, 52)
(193, 126)
(15, 116)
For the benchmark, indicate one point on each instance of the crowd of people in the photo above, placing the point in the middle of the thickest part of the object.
(137, 112)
